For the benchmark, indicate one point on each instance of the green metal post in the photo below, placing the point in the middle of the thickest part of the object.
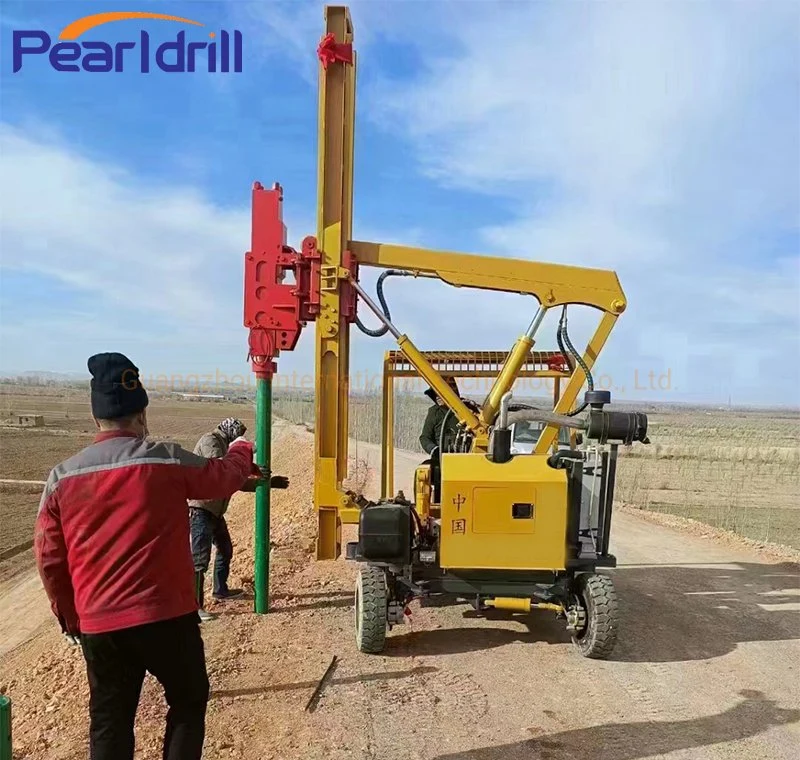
(263, 456)
(5, 727)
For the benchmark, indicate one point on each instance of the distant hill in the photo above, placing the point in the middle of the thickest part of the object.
(44, 377)
(242, 392)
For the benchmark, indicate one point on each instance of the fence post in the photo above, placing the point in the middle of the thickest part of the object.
(5, 727)
(263, 457)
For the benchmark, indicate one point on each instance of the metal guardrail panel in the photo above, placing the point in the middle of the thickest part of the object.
(479, 363)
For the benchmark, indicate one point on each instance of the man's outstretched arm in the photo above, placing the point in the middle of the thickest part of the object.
(216, 478)
(275, 481)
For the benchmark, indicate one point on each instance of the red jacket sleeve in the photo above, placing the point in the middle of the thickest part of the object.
(51, 559)
(217, 478)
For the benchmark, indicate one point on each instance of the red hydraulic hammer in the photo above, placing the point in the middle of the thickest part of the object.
(275, 312)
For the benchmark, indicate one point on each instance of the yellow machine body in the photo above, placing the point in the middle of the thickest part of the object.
(509, 516)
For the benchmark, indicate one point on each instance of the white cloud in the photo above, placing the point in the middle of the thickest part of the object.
(285, 29)
(291, 29)
(154, 269)
(658, 139)
(97, 228)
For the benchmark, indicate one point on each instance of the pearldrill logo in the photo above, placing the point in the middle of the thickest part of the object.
(223, 54)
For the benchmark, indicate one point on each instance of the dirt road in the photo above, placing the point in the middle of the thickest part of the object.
(706, 668)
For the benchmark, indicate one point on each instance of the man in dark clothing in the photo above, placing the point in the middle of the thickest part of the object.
(438, 415)
(207, 518)
(111, 549)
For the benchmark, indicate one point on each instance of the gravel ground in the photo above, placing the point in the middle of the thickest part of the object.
(706, 667)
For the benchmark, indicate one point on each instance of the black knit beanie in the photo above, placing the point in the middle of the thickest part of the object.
(451, 381)
(116, 388)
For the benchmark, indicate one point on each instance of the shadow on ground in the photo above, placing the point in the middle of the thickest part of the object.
(320, 604)
(668, 613)
(632, 741)
(283, 603)
(543, 628)
(390, 675)
(316, 595)
(673, 613)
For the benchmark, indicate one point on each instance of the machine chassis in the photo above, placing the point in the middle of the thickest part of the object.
(585, 599)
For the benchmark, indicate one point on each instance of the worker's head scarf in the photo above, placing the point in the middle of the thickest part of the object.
(231, 428)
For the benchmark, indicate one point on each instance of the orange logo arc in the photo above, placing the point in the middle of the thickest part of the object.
(77, 28)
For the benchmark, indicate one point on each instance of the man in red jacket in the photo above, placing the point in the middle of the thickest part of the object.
(112, 547)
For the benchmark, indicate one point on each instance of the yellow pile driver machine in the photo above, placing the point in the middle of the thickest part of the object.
(504, 531)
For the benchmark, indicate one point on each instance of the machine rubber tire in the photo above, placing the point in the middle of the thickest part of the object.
(599, 598)
(370, 604)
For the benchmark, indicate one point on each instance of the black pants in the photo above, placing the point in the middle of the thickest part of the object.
(172, 650)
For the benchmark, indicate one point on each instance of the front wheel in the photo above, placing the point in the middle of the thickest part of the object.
(370, 604)
(598, 612)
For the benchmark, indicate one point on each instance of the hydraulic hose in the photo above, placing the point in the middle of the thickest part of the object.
(418, 522)
(563, 338)
(561, 347)
(380, 331)
(550, 418)
(441, 431)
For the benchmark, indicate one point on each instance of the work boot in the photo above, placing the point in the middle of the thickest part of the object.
(228, 593)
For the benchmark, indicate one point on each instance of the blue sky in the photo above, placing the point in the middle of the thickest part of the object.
(658, 139)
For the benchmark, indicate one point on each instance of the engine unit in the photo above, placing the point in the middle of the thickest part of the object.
(385, 534)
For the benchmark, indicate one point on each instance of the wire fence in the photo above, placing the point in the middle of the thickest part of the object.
(365, 416)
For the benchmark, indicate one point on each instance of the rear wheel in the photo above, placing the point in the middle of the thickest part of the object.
(370, 604)
(596, 599)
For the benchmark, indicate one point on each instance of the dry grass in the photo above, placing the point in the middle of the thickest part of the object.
(365, 415)
(736, 470)
(29, 454)
(739, 471)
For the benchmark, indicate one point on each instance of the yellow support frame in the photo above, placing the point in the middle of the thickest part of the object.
(456, 364)
(551, 284)
(576, 381)
(334, 229)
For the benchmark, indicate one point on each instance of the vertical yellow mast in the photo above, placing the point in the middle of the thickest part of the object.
(334, 230)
